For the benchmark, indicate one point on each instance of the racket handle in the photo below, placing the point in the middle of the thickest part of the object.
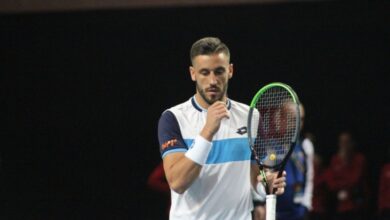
(270, 207)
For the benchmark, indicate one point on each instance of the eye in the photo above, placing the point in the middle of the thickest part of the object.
(219, 71)
(204, 72)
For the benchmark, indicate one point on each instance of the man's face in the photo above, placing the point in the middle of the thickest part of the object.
(345, 142)
(211, 74)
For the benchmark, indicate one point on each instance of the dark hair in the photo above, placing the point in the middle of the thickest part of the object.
(207, 46)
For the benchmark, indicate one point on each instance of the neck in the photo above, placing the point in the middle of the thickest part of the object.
(203, 103)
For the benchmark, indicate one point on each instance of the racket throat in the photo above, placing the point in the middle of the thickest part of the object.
(264, 180)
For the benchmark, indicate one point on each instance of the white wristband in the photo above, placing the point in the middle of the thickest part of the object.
(199, 150)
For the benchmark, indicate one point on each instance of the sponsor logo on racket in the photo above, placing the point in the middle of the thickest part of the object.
(277, 122)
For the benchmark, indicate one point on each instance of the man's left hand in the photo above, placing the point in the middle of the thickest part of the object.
(275, 182)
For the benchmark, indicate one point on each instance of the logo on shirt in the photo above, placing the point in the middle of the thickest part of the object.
(242, 130)
(169, 143)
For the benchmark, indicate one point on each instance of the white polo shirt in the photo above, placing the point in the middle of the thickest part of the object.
(223, 188)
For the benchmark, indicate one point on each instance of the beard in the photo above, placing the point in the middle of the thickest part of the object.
(211, 100)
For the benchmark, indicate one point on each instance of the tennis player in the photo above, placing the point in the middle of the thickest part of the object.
(204, 145)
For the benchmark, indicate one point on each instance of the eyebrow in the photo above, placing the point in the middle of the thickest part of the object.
(218, 68)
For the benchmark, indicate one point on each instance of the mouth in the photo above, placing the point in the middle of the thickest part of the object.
(213, 91)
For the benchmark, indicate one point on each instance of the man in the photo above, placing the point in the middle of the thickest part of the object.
(297, 199)
(346, 178)
(204, 146)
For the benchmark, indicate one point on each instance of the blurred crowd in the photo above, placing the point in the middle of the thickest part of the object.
(341, 189)
(315, 191)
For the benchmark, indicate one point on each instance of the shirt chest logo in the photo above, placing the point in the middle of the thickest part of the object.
(242, 130)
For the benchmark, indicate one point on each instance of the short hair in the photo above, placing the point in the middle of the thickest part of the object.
(208, 46)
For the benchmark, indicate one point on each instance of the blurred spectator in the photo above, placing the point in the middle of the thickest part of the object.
(384, 191)
(157, 182)
(297, 198)
(347, 179)
(320, 191)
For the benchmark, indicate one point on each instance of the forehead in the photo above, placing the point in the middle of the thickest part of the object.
(345, 136)
(210, 61)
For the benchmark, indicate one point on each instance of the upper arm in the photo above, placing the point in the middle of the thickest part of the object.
(169, 135)
(172, 145)
(170, 160)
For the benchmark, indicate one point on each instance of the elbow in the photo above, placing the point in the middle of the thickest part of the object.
(176, 185)
(178, 188)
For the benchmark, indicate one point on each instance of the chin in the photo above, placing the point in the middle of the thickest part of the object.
(212, 101)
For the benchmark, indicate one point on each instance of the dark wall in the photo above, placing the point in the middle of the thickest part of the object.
(82, 92)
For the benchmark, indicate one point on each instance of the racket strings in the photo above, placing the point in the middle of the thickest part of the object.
(275, 125)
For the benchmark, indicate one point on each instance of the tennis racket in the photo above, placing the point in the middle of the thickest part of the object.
(273, 129)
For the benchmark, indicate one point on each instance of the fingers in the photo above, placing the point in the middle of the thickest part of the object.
(279, 191)
(215, 113)
(279, 182)
(219, 110)
(223, 114)
(276, 182)
(218, 104)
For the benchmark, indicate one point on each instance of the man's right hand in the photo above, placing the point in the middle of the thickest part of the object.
(215, 113)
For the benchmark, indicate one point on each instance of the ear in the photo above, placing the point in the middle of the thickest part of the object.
(192, 73)
(230, 74)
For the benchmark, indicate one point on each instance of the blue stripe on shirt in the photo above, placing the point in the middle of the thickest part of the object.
(227, 150)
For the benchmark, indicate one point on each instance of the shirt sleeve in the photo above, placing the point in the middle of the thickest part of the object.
(169, 135)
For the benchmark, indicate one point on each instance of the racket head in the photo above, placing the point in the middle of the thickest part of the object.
(273, 124)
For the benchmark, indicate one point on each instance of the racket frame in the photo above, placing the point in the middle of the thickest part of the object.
(282, 164)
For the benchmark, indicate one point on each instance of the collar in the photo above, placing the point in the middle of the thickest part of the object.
(200, 108)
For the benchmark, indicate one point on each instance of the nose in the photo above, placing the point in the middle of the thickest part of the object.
(213, 78)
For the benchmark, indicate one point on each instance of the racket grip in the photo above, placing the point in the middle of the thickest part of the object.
(270, 207)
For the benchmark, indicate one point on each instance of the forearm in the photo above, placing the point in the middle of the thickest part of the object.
(181, 173)
(182, 169)
(254, 173)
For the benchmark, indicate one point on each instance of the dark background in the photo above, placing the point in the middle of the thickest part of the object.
(81, 93)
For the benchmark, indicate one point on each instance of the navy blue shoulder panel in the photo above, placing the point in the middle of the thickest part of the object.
(169, 135)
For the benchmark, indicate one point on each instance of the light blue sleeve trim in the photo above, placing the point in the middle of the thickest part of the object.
(173, 151)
